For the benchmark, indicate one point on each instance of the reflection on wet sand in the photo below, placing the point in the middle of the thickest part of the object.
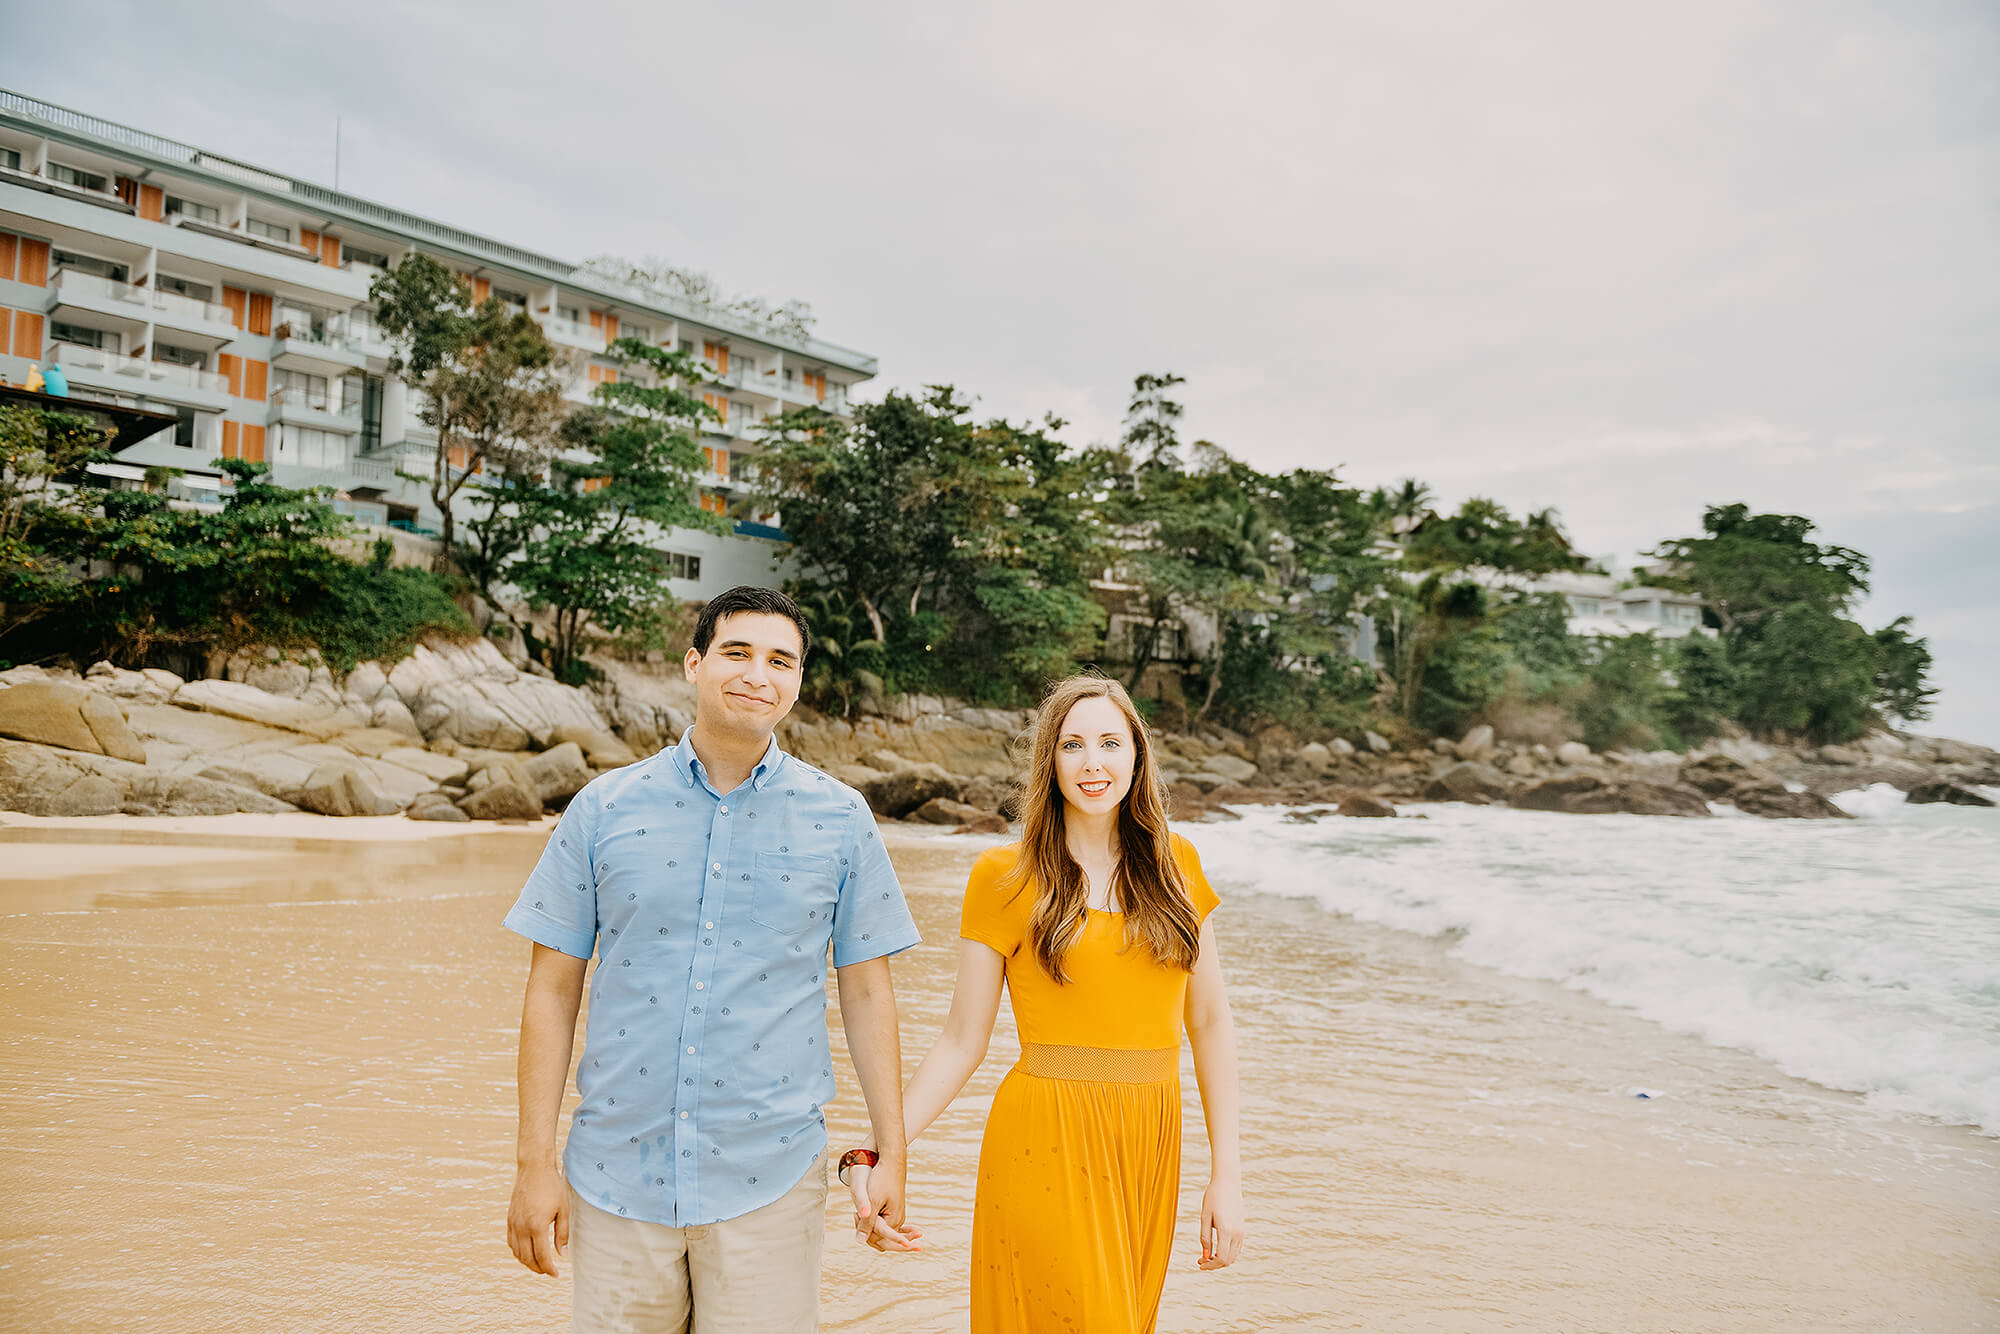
(262, 1083)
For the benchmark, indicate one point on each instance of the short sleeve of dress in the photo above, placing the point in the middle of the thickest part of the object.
(989, 915)
(1203, 893)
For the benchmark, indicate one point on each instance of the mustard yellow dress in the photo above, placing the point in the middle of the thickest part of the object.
(1079, 1172)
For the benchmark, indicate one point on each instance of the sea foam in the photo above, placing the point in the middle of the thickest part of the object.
(1862, 954)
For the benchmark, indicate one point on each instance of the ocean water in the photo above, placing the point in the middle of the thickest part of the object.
(1861, 954)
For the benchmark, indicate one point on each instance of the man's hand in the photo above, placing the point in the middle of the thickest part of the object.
(538, 1217)
(874, 1222)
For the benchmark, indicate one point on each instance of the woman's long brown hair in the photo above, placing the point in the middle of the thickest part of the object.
(1158, 910)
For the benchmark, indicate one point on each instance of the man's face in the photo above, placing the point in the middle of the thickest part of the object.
(749, 678)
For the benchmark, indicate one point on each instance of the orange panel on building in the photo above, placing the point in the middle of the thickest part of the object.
(309, 239)
(8, 245)
(231, 369)
(482, 288)
(610, 328)
(34, 267)
(329, 251)
(152, 203)
(260, 312)
(238, 301)
(27, 333)
(6, 330)
(128, 191)
(256, 380)
(232, 440)
(253, 443)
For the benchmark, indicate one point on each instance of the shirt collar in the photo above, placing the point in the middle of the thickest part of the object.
(689, 766)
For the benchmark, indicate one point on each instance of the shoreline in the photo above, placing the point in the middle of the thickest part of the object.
(1430, 1144)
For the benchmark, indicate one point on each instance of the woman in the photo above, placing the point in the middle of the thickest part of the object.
(1097, 923)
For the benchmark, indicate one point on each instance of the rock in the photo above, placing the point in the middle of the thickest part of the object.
(366, 684)
(288, 679)
(1469, 780)
(987, 794)
(1522, 766)
(1476, 744)
(558, 773)
(1236, 795)
(1746, 752)
(1777, 802)
(1846, 755)
(1185, 798)
(1440, 746)
(1573, 753)
(1886, 745)
(437, 768)
(1314, 758)
(1587, 794)
(471, 694)
(905, 790)
(1717, 775)
(392, 715)
(188, 794)
(337, 788)
(1365, 806)
(88, 795)
(1962, 752)
(1204, 781)
(1341, 747)
(441, 810)
(372, 741)
(502, 801)
(139, 687)
(1949, 793)
(1232, 769)
(943, 810)
(233, 699)
(601, 746)
(1376, 743)
(68, 717)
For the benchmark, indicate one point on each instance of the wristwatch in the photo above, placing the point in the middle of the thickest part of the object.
(866, 1157)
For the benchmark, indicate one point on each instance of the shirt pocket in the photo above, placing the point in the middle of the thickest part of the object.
(792, 894)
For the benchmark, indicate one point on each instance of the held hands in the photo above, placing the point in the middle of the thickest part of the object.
(1221, 1223)
(878, 1206)
(538, 1217)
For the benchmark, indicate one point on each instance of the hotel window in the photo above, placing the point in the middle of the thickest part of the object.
(354, 254)
(82, 180)
(570, 313)
(274, 231)
(195, 209)
(642, 332)
(1583, 606)
(303, 389)
(10, 158)
(184, 287)
(687, 347)
(78, 336)
(184, 429)
(685, 566)
(1679, 613)
(512, 300)
(1639, 611)
(103, 268)
(312, 449)
(180, 356)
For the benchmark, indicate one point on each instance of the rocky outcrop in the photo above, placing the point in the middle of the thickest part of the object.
(968, 819)
(898, 794)
(1471, 781)
(68, 717)
(1588, 794)
(1946, 792)
(468, 693)
(1775, 801)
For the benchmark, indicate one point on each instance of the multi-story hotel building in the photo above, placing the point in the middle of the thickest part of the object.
(163, 276)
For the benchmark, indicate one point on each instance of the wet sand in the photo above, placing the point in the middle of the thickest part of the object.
(273, 1089)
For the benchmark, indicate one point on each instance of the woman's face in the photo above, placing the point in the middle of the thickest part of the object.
(1095, 756)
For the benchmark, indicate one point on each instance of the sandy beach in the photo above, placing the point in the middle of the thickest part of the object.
(257, 1074)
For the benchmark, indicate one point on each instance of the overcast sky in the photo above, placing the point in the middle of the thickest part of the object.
(1626, 260)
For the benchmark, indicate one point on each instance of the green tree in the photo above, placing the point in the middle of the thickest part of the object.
(487, 374)
(38, 447)
(627, 472)
(1902, 673)
(1748, 566)
(1152, 421)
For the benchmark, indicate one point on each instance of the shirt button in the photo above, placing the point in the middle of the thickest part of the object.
(684, 1116)
(725, 810)
(718, 866)
(708, 926)
(697, 986)
(690, 1051)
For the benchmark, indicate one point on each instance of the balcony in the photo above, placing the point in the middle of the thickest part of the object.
(294, 408)
(95, 368)
(63, 189)
(202, 322)
(571, 334)
(323, 347)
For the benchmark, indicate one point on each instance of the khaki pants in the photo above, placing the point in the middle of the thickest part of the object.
(757, 1274)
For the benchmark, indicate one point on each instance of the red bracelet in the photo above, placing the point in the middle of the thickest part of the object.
(866, 1157)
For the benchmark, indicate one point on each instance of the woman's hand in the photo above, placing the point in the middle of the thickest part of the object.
(1221, 1223)
(870, 1227)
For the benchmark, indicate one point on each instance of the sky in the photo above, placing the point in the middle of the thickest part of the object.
(1627, 261)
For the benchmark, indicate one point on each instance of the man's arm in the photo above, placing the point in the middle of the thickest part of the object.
(538, 1216)
(868, 1013)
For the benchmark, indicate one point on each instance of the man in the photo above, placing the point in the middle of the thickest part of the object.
(710, 880)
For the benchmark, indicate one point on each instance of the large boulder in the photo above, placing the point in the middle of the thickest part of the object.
(1233, 770)
(1476, 744)
(338, 787)
(1717, 774)
(467, 692)
(437, 807)
(601, 746)
(1944, 791)
(42, 780)
(1775, 801)
(1377, 742)
(190, 794)
(70, 717)
(902, 792)
(312, 717)
(1471, 781)
(943, 810)
(1588, 794)
(1365, 805)
(152, 686)
(1572, 753)
(504, 800)
(559, 773)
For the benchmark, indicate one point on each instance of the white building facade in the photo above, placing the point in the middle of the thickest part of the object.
(163, 276)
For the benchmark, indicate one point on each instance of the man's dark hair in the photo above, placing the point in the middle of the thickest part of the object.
(748, 597)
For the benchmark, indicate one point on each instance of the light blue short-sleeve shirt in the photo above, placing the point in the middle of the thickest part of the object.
(706, 1064)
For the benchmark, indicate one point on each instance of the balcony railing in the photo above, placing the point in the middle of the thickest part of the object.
(140, 303)
(576, 335)
(72, 357)
(332, 335)
(314, 408)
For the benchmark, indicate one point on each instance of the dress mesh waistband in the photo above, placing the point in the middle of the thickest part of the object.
(1109, 1065)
